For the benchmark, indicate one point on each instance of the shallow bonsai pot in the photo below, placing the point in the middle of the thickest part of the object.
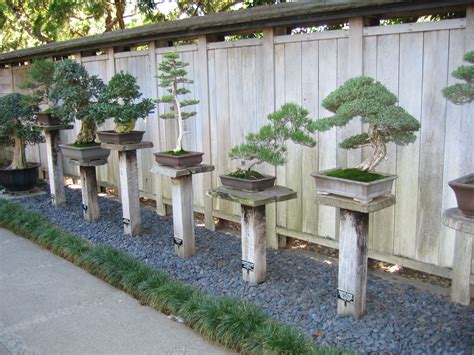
(182, 161)
(113, 137)
(47, 119)
(84, 154)
(19, 179)
(464, 194)
(265, 182)
(363, 192)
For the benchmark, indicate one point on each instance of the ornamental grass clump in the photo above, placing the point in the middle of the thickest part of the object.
(376, 106)
(462, 93)
(17, 121)
(173, 78)
(39, 80)
(269, 144)
(121, 101)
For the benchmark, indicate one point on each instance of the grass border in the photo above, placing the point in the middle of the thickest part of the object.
(231, 322)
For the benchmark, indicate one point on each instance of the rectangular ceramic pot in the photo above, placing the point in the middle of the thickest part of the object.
(183, 161)
(464, 194)
(47, 119)
(84, 154)
(248, 185)
(363, 192)
(112, 137)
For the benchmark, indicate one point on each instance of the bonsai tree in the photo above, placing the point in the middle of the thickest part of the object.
(16, 127)
(40, 80)
(173, 77)
(462, 93)
(377, 106)
(119, 101)
(75, 95)
(290, 122)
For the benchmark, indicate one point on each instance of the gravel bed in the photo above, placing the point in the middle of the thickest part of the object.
(299, 289)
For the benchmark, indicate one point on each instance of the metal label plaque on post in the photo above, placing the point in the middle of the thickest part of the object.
(126, 221)
(247, 265)
(177, 241)
(345, 296)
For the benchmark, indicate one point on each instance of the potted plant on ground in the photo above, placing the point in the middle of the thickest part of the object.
(173, 77)
(387, 122)
(40, 80)
(268, 145)
(461, 94)
(75, 95)
(119, 101)
(17, 121)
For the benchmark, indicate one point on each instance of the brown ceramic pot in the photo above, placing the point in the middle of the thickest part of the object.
(265, 182)
(182, 161)
(464, 194)
(47, 119)
(112, 137)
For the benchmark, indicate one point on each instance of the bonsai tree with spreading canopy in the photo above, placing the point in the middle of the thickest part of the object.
(290, 122)
(173, 77)
(462, 93)
(75, 95)
(119, 101)
(376, 106)
(16, 127)
(39, 80)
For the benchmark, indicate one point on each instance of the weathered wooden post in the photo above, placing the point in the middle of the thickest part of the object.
(252, 204)
(461, 289)
(132, 220)
(353, 236)
(183, 206)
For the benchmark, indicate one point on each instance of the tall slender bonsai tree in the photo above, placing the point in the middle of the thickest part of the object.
(75, 95)
(462, 93)
(39, 80)
(119, 101)
(371, 101)
(173, 77)
(269, 144)
(16, 127)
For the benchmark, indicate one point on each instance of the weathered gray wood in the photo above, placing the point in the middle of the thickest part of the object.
(352, 273)
(453, 218)
(55, 168)
(127, 147)
(347, 203)
(52, 128)
(90, 203)
(254, 199)
(461, 289)
(132, 219)
(89, 163)
(254, 260)
(183, 221)
(178, 172)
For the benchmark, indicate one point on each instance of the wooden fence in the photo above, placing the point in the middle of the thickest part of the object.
(239, 83)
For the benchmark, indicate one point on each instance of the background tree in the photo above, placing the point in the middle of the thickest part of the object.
(462, 93)
(39, 80)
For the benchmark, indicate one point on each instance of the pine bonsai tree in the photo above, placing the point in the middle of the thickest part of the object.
(290, 122)
(173, 77)
(75, 95)
(16, 127)
(40, 80)
(119, 102)
(462, 93)
(376, 105)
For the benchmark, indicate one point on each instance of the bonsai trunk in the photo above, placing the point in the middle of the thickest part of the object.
(377, 141)
(19, 156)
(179, 145)
(87, 133)
(125, 127)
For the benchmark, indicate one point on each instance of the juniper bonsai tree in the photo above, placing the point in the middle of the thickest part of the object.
(119, 101)
(39, 80)
(16, 127)
(269, 144)
(376, 106)
(75, 95)
(173, 77)
(462, 93)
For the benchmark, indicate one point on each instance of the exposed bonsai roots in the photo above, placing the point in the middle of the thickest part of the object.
(19, 156)
(377, 142)
(87, 132)
(125, 127)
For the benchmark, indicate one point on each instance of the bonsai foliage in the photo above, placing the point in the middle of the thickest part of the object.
(75, 95)
(16, 127)
(40, 80)
(376, 105)
(173, 76)
(119, 102)
(290, 122)
(462, 93)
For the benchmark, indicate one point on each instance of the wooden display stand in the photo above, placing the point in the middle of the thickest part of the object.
(353, 237)
(252, 204)
(129, 194)
(461, 289)
(183, 206)
(90, 203)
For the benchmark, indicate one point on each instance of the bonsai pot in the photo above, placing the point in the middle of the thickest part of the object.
(181, 161)
(363, 192)
(464, 194)
(250, 185)
(84, 154)
(19, 179)
(47, 119)
(113, 137)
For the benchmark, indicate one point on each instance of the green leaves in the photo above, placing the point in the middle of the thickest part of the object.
(462, 93)
(39, 79)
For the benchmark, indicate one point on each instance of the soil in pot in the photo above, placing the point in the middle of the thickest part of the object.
(355, 175)
(19, 179)
(248, 180)
(181, 159)
(113, 137)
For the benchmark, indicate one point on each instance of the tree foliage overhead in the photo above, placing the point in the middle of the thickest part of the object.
(462, 93)
(40, 81)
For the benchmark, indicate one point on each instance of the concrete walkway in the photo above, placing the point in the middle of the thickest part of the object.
(48, 305)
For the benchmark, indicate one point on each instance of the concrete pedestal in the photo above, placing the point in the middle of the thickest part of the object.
(353, 237)
(252, 204)
(183, 205)
(461, 289)
(129, 194)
